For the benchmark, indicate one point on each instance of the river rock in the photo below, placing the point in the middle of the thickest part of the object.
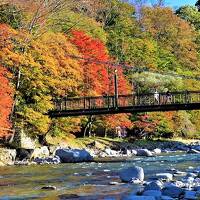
(182, 147)
(179, 173)
(197, 188)
(179, 184)
(127, 152)
(188, 181)
(49, 160)
(153, 193)
(21, 162)
(191, 174)
(134, 197)
(134, 152)
(41, 152)
(157, 151)
(190, 195)
(196, 182)
(144, 152)
(95, 144)
(172, 191)
(7, 156)
(193, 151)
(154, 185)
(102, 155)
(22, 140)
(115, 183)
(73, 155)
(164, 176)
(69, 196)
(111, 152)
(52, 149)
(24, 154)
(49, 187)
(131, 174)
(166, 198)
(197, 147)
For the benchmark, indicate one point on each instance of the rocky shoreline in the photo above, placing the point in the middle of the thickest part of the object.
(170, 184)
(57, 154)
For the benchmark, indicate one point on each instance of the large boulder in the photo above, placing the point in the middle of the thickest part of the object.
(24, 154)
(22, 140)
(164, 176)
(7, 156)
(172, 191)
(41, 152)
(144, 152)
(73, 155)
(131, 174)
(154, 185)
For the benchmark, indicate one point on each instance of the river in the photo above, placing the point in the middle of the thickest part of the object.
(83, 180)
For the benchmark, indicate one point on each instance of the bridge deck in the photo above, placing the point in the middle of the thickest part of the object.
(189, 100)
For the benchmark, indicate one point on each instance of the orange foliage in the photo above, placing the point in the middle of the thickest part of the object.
(6, 102)
(5, 35)
(112, 121)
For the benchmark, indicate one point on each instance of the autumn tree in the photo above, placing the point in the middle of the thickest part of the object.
(174, 36)
(144, 126)
(6, 102)
(110, 122)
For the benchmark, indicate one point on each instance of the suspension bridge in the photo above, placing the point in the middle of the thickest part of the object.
(184, 100)
(132, 103)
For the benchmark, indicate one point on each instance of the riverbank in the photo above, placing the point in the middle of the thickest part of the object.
(171, 163)
(119, 143)
(97, 148)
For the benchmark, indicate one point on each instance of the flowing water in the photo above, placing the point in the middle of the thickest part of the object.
(86, 181)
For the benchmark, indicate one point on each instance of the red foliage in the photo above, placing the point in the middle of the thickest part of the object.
(144, 126)
(6, 102)
(98, 77)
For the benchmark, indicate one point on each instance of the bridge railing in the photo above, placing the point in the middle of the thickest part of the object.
(109, 102)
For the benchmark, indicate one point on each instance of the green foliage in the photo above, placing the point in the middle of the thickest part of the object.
(9, 14)
(67, 20)
(122, 28)
(62, 127)
(183, 125)
(190, 14)
(147, 82)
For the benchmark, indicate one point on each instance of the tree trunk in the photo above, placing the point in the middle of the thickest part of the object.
(105, 132)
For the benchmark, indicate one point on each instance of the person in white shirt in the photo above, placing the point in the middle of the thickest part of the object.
(156, 97)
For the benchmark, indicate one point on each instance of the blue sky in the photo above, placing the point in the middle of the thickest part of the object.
(178, 3)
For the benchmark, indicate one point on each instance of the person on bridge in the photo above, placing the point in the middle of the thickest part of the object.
(168, 97)
(156, 97)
